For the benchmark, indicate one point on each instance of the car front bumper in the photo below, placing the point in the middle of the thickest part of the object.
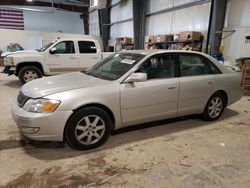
(40, 126)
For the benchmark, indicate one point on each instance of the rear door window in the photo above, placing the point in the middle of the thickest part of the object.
(87, 47)
(194, 65)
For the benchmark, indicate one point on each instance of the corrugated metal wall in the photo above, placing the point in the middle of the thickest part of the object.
(238, 19)
(238, 14)
(237, 46)
(94, 27)
(119, 13)
(195, 18)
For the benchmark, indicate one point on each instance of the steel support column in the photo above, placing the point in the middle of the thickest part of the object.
(139, 14)
(216, 23)
(85, 18)
(104, 20)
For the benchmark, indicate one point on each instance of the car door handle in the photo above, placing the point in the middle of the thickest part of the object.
(72, 58)
(94, 57)
(210, 82)
(171, 88)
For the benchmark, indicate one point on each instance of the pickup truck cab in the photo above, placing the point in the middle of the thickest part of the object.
(57, 57)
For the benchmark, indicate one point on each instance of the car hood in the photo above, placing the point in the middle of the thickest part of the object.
(4, 54)
(64, 82)
(23, 52)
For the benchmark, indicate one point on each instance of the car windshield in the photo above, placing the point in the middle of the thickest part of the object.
(45, 47)
(115, 66)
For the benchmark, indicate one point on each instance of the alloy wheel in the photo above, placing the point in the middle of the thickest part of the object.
(215, 107)
(30, 75)
(90, 129)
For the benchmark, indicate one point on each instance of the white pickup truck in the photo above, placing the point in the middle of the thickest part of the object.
(59, 56)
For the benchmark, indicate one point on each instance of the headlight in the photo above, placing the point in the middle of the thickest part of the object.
(41, 105)
(10, 60)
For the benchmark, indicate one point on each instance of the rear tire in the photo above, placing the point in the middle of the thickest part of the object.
(214, 107)
(88, 128)
(29, 73)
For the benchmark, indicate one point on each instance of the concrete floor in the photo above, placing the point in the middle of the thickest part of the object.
(184, 152)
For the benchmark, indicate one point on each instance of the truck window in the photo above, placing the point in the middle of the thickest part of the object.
(65, 47)
(86, 47)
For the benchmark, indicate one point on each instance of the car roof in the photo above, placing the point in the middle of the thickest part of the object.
(159, 51)
(76, 38)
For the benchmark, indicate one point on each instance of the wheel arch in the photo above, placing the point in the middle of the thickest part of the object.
(224, 94)
(24, 64)
(98, 105)
(205, 116)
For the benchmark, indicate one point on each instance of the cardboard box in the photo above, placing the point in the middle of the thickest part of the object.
(159, 38)
(193, 35)
(124, 40)
(163, 38)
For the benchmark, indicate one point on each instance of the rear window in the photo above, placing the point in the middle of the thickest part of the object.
(86, 47)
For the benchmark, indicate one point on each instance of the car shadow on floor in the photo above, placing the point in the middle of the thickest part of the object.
(55, 150)
(9, 144)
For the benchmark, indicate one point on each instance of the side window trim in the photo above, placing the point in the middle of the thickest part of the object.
(162, 55)
(87, 41)
(74, 50)
(202, 58)
(211, 64)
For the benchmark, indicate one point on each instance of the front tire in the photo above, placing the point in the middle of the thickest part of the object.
(29, 73)
(88, 128)
(214, 107)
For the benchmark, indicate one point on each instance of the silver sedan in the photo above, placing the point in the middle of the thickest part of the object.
(126, 88)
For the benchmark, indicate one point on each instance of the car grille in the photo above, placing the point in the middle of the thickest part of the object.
(21, 99)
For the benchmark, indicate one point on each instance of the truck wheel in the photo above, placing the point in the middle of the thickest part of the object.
(29, 73)
(88, 128)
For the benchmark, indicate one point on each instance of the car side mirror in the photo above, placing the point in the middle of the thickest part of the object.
(136, 77)
(53, 51)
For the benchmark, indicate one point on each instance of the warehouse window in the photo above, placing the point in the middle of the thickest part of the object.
(86, 47)
(65, 47)
(193, 65)
(162, 66)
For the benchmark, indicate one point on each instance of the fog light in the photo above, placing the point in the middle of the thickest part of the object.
(30, 130)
